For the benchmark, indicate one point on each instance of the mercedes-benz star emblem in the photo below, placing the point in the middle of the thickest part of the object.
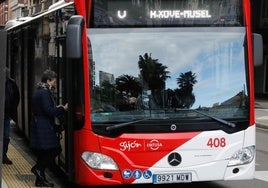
(174, 159)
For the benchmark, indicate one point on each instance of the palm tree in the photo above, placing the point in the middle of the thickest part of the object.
(186, 81)
(154, 76)
(185, 95)
(152, 72)
(128, 84)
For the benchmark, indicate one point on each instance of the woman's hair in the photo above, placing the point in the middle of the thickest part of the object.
(48, 75)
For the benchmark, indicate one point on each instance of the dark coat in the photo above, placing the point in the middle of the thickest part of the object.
(44, 110)
(12, 99)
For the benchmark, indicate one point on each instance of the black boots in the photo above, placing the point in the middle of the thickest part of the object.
(43, 183)
(41, 180)
(6, 160)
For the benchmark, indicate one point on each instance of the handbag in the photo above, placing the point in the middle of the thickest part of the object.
(59, 126)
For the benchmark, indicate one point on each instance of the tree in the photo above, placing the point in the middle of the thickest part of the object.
(107, 92)
(154, 76)
(186, 81)
(128, 84)
(184, 94)
(153, 72)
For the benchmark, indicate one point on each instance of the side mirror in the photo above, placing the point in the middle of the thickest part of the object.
(257, 49)
(74, 37)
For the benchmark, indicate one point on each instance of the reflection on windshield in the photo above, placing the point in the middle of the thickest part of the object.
(143, 72)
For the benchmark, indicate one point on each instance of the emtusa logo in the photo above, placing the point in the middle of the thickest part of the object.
(154, 144)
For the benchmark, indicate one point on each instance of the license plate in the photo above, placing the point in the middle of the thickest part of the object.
(172, 178)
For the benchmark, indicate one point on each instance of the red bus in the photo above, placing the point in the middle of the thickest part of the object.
(159, 91)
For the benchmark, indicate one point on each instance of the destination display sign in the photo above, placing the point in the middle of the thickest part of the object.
(142, 13)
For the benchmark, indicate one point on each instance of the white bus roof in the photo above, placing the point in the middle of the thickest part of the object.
(23, 20)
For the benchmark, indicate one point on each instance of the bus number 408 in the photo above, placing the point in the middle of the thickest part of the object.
(216, 142)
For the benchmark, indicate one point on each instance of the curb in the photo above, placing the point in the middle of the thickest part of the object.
(261, 125)
(4, 185)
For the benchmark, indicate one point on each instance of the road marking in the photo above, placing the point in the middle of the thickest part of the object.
(261, 175)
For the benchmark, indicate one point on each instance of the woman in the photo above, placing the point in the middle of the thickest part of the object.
(43, 138)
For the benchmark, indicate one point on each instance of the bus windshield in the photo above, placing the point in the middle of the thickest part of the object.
(167, 74)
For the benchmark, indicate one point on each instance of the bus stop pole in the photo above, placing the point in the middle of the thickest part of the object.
(2, 93)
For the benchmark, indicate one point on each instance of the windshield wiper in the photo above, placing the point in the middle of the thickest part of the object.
(119, 125)
(230, 124)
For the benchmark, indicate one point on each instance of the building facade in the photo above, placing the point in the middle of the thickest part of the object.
(3, 12)
(12, 9)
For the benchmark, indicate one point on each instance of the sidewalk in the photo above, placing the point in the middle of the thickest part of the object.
(19, 174)
(4, 185)
(261, 113)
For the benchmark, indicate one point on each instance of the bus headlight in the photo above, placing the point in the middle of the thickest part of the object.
(243, 156)
(99, 161)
